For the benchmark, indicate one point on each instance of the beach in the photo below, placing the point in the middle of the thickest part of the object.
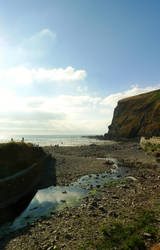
(73, 227)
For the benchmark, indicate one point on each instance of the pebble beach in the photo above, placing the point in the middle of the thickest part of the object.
(73, 227)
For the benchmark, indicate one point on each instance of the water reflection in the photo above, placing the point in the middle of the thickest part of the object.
(96, 180)
(52, 199)
(48, 200)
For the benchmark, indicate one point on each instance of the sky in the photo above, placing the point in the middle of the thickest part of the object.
(64, 64)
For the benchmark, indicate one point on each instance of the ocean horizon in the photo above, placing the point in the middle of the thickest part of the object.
(45, 140)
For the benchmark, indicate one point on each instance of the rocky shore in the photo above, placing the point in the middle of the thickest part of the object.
(122, 200)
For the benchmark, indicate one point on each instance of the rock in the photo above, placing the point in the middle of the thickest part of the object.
(124, 186)
(119, 175)
(56, 238)
(158, 160)
(64, 192)
(147, 235)
(59, 215)
(102, 208)
(50, 248)
(92, 145)
(33, 208)
(115, 197)
(109, 162)
(131, 178)
(94, 204)
(90, 207)
(68, 236)
(113, 214)
(98, 186)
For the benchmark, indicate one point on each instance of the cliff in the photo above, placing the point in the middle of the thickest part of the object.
(136, 116)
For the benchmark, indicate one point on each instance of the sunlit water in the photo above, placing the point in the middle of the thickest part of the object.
(43, 140)
(96, 180)
(47, 201)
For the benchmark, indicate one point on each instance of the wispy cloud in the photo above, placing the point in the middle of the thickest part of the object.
(38, 44)
(44, 33)
(25, 50)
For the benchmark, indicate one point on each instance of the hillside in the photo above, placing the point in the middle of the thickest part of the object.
(136, 116)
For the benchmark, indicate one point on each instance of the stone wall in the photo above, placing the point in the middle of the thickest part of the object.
(15, 187)
(153, 140)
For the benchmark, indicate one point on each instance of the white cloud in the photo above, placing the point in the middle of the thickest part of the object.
(77, 100)
(60, 74)
(111, 100)
(22, 75)
(61, 114)
(82, 89)
(31, 115)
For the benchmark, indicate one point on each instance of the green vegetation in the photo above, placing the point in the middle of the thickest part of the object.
(94, 192)
(118, 235)
(155, 96)
(110, 184)
(152, 148)
(15, 156)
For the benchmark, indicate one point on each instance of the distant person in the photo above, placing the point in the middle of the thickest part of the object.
(22, 140)
(11, 139)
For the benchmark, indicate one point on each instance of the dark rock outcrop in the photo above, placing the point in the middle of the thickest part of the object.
(136, 116)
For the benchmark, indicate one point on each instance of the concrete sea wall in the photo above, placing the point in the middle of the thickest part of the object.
(15, 187)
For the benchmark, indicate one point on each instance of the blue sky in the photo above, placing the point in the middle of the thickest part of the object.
(64, 64)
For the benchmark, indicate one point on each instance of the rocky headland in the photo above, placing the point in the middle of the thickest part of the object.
(136, 116)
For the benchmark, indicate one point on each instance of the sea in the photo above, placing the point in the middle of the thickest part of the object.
(52, 140)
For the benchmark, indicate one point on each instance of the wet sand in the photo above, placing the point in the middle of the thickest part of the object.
(73, 226)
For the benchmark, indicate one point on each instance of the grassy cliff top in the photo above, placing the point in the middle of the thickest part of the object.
(150, 96)
(16, 156)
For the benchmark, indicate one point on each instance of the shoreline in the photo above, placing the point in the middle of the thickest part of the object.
(73, 162)
(73, 226)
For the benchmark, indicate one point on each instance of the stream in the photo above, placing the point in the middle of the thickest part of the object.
(50, 200)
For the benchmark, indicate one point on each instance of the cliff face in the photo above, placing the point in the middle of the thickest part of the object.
(136, 116)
